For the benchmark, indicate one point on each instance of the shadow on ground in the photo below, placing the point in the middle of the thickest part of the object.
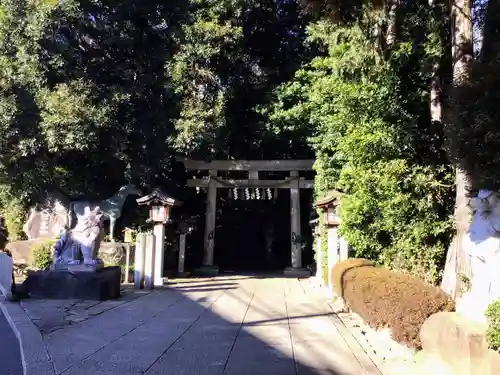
(10, 355)
(225, 326)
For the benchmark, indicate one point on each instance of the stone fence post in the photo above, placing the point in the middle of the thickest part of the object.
(6, 268)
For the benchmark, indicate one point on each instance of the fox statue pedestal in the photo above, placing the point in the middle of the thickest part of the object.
(76, 272)
(98, 285)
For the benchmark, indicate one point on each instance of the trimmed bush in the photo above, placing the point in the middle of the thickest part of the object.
(41, 255)
(340, 268)
(493, 333)
(389, 299)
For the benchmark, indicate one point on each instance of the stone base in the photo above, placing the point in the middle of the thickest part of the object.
(100, 285)
(77, 267)
(297, 272)
(206, 271)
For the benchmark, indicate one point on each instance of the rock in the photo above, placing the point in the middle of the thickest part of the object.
(459, 343)
(114, 253)
(21, 250)
(48, 217)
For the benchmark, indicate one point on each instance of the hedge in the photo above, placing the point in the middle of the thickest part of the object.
(389, 299)
(340, 269)
(41, 255)
(493, 316)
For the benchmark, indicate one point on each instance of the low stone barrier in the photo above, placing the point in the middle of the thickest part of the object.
(6, 275)
(456, 346)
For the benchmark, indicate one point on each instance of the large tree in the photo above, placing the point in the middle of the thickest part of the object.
(99, 93)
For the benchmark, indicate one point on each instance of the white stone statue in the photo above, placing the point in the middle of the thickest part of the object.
(111, 207)
(482, 243)
(80, 245)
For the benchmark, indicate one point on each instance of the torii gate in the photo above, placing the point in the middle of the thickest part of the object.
(212, 182)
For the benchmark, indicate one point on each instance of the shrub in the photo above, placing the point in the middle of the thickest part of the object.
(41, 255)
(389, 299)
(13, 213)
(493, 333)
(339, 270)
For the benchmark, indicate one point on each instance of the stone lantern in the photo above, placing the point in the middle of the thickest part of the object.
(160, 206)
(337, 247)
(329, 205)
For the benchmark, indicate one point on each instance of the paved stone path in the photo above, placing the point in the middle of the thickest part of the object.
(10, 356)
(219, 326)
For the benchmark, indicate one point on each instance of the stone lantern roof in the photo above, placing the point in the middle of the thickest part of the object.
(158, 196)
(331, 198)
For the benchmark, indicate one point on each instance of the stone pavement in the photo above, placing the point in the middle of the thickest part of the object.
(10, 356)
(233, 325)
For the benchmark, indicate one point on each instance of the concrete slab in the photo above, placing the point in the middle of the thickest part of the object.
(35, 359)
(10, 354)
(70, 346)
(209, 342)
(221, 326)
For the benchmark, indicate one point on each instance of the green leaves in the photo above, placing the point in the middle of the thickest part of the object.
(70, 118)
(368, 117)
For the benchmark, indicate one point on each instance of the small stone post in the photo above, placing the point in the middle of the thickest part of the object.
(6, 275)
(333, 253)
(182, 253)
(319, 259)
(127, 264)
(140, 254)
(159, 234)
(150, 259)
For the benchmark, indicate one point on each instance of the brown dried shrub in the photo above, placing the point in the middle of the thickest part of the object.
(390, 299)
(340, 268)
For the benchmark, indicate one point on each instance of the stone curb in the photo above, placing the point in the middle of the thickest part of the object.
(34, 356)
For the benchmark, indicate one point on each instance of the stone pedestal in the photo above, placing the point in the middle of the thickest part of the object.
(209, 271)
(77, 267)
(101, 285)
(297, 272)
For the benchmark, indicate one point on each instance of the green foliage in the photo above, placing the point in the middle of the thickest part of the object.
(41, 255)
(373, 139)
(493, 334)
(13, 211)
(96, 94)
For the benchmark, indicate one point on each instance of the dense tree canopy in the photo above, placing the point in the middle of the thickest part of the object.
(98, 93)
(375, 141)
(386, 95)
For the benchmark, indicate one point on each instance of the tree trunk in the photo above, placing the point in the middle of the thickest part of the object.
(436, 108)
(391, 35)
(457, 260)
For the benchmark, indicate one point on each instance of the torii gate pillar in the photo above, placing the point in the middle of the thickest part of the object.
(212, 183)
